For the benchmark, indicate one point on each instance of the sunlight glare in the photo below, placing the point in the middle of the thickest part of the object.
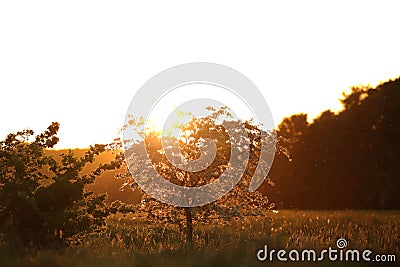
(168, 103)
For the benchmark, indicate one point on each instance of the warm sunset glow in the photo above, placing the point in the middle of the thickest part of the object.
(168, 105)
(199, 133)
(82, 66)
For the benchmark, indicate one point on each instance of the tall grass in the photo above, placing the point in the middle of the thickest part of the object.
(132, 242)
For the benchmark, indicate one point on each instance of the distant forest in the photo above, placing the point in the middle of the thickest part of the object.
(345, 160)
(349, 160)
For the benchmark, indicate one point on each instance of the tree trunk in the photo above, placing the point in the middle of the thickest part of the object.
(189, 227)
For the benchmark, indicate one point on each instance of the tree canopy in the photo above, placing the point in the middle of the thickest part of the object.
(345, 160)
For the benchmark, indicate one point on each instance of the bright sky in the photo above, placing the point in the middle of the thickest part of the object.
(81, 62)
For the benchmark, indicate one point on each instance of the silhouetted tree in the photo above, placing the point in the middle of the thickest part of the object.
(238, 203)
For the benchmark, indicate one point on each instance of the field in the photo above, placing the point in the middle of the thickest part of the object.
(131, 242)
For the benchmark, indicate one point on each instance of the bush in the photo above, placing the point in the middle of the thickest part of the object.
(44, 202)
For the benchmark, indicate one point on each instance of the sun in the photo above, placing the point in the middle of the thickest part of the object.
(154, 126)
(167, 121)
(173, 109)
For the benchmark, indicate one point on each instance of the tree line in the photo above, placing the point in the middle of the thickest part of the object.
(344, 160)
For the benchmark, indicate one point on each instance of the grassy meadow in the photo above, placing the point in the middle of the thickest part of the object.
(128, 241)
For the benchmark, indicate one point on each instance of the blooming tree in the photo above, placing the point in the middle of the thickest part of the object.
(195, 135)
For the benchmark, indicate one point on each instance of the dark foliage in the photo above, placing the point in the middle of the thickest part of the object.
(44, 202)
(345, 160)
